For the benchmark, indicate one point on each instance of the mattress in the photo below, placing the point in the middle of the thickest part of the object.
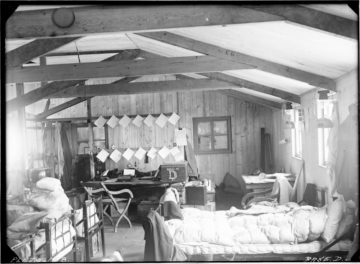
(207, 248)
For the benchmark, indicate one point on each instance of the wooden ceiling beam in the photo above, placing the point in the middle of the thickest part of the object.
(80, 71)
(46, 91)
(230, 55)
(60, 107)
(143, 87)
(34, 49)
(128, 52)
(254, 86)
(107, 19)
(73, 102)
(251, 98)
(312, 18)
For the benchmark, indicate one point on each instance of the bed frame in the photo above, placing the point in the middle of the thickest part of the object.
(47, 226)
(89, 232)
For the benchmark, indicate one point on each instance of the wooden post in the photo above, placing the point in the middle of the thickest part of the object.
(262, 149)
(22, 126)
(91, 140)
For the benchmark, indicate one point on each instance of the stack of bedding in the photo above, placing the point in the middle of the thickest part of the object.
(47, 202)
(264, 228)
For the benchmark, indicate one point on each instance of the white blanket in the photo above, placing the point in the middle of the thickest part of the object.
(286, 224)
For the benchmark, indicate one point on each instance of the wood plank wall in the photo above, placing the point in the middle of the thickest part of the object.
(246, 119)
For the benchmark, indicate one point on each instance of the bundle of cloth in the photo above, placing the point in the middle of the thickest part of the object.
(46, 202)
(262, 223)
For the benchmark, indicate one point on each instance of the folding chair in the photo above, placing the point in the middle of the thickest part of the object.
(110, 200)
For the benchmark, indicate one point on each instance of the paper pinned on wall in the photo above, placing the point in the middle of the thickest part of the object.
(140, 153)
(161, 120)
(138, 121)
(152, 153)
(102, 155)
(175, 151)
(128, 154)
(125, 121)
(100, 122)
(115, 156)
(149, 120)
(173, 119)
(179, 157)
(180, 137)
(113, 121)
(164, 152)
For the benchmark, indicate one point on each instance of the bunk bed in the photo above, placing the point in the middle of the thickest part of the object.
(231, 235)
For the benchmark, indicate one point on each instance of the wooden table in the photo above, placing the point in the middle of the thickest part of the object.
(255, 184)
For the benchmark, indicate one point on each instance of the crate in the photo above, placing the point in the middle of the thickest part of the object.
(196, 195)
(176, 172)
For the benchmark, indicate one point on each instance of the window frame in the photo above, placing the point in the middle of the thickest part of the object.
(106, 139)
(211, 120)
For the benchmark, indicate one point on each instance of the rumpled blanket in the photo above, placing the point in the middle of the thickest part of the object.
(261, 224)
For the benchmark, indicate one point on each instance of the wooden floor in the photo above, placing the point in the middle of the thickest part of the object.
(129, 241)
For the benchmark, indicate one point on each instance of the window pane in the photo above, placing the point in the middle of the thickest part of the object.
(220, 127)
(204, 128)
(99, 132)
(220, 142)
(204, 143)
(82, 133)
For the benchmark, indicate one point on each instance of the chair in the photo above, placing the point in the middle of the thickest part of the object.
(110, 200)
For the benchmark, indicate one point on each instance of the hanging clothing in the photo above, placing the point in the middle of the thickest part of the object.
(67, 160)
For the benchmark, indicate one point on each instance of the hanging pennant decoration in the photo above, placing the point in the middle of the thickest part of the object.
(125, 121)
(161, 120)
(140, 153)
(138, 121)
(100, 122)
(173, 119)
(113, 121)
(149, 120)
(128, 154)
(102, 155)
(164, 152)
(115, 156)
(152, 153)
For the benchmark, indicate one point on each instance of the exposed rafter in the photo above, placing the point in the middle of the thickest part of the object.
(34, 49)
(106, 19)
(254, 86)
(251, 98)
(47, 90)
(313, 18)
(143, 87)
(60, 107)
(80, 71)
(261, 64)
(73, 102)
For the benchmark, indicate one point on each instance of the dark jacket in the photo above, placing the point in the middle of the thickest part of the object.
(158, 241)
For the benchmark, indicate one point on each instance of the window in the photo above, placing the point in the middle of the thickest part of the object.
(296, 118)
(324, 110)
(100, 138)
(212, 135)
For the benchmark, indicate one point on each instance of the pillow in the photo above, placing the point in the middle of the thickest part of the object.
(49, 183)
(335, 212)
(317, 222)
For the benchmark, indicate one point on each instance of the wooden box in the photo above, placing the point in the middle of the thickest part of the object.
(176, 172)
